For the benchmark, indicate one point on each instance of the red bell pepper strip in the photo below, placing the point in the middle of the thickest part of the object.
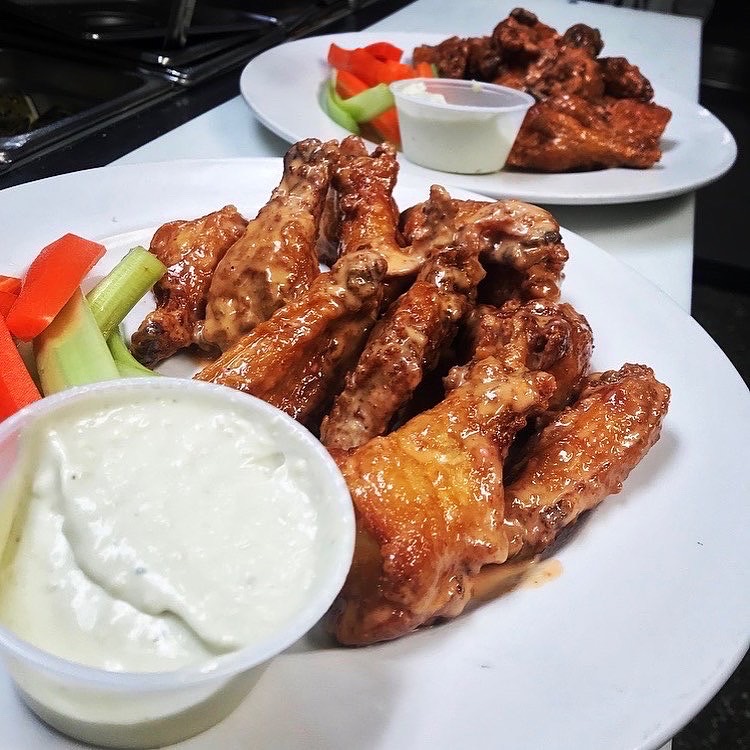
(366, 66)
(53, 276)
(385, 51)
(17, 389)
(386, 124)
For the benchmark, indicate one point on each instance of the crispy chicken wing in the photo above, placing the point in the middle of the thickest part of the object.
(404, 344)
(584, 455)
(575, 124)
(429, 505)
(297, 359)
(539, 335)
(369, 214)
(191, 251)
(276, 259)
(567, 133)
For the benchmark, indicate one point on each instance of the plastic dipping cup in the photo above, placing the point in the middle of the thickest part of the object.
(451, 125)
(153, 709)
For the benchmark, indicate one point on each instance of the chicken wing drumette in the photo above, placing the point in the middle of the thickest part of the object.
(405, 343)
(190, 250)
(297, 359)
(276, 259)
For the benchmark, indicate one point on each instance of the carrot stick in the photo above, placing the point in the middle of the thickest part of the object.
(386, 124)
(53, 276)
(17, 389)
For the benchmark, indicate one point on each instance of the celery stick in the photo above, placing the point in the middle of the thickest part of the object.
(71, 350)
(117, 293)
(332, 106)
(127, 365)
(369, 103)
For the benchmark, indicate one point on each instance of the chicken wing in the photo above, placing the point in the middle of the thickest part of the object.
(276, 259)
(429, 505)
(297, 359)
(191, 251)
(568, 133)
(584, 455)
(404, 344)
(539, 335)
(369, 214)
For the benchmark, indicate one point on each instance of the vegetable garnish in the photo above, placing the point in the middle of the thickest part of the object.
(53, 276)
(9, 288)
(360, 94)
(17, 388)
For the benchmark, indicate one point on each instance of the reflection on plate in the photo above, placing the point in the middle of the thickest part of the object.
(645, 621)
(282, 87)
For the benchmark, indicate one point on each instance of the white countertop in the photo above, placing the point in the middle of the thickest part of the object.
(655, 238)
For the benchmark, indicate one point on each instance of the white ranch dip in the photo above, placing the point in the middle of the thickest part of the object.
(155, 532)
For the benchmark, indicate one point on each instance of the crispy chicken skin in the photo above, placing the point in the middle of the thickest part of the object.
(369, 215)
(406, 342)
(584, 455)
(297, 359)
(574, 125)
(429, 505)
(519, 244)
(276, 259)
(191, 251)
(538, 335)
(569, 133)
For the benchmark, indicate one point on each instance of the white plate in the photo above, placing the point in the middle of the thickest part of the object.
(282, 87)
(650, 614)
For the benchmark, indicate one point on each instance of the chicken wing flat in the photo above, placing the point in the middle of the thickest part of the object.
(584, 455)
(405, 343)
(538, 335)
(297, 359)
(276, 258)
(191, 251)
(429, 505)
(568, 133)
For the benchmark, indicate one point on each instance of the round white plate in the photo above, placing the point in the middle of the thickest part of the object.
(282, 87)
(650, 613)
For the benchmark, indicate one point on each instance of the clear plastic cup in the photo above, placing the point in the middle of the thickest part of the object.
(452, 125)
(150, 709)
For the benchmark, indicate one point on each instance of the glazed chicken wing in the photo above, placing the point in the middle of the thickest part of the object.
(276, 259)
(429, 505)
(538, 335)
(297, 359)
(405, 343)
(584, 455)
(568, 133)
(191, 251)
(364, 185)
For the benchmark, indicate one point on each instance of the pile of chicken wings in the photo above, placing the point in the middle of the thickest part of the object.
(591, 112)
(434, 360)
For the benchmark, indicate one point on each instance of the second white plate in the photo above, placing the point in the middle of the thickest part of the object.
(282, 87)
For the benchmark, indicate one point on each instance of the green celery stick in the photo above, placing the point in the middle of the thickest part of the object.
(71, 350)
(127, 365)
(369, 103)
(117, 293)
(332, 106)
